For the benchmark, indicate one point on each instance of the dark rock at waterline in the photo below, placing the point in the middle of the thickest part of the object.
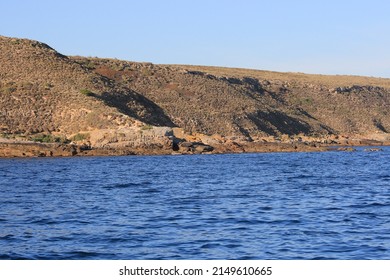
(373, 150)
(194, 147)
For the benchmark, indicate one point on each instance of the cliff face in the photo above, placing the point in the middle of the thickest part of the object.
(113, 103)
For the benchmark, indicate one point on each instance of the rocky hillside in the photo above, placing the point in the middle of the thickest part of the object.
(46, 93)
(252, 103)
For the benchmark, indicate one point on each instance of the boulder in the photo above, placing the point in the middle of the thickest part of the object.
(186, 144)
(194, 147)
(346, 149)
(202, 148)
(373, 150)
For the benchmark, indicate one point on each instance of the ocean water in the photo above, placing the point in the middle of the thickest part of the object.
(329, 205)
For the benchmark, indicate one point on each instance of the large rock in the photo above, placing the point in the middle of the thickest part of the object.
(373, 150)
(194, 147)
(134, 137)
(346, 149)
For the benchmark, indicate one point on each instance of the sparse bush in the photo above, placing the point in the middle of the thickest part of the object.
(48, 138)
(147, 127)
(7, 90)
(89, 65)
(146, 72)
(5, 135)
(86, 92)
(306, 100)
(26, 85)
(16, 41)
(48, 86)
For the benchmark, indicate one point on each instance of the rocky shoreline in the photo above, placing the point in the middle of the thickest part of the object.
(151, 140)
(54, 105)
(16, 149)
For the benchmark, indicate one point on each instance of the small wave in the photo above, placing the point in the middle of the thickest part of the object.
(368, 214)
(369, 205)
(251, 222)
(210, 245)
(5, 257)
(152, 190)
(82, 254)
(300, 176)
(293, 221)
(8, 237)
(44, 222)
(14, 257)
(248, 257)
(332, 208)
(58, 239)
(385, 177)
(319, 258)
(127, 185)
(241, 228)
(78, 221)
(231, 246)
(266, 208)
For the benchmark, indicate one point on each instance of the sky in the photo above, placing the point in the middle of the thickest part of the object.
(323, 37)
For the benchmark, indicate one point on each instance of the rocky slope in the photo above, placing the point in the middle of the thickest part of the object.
(48, 97)
(256, 103)
(132, 107)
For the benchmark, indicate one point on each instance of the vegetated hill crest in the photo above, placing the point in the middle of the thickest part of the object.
(42, 91)
(325, 80)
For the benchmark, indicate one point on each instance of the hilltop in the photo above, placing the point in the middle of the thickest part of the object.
(131, 107)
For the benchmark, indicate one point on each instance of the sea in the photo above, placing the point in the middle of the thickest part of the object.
(271, 206)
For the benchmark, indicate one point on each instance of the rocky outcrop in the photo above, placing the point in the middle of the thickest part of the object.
(373, 150)
(358, 89)
(29, 149)
(346, 149)
(194, 148)
(133, 137)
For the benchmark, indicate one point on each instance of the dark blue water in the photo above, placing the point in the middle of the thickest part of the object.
(332, 205)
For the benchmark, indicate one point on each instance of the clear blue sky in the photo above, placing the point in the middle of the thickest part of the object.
(326, 37)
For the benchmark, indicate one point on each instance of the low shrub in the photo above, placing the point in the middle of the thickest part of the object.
(86, 92)
(147, 127)
(48, 138)
(7, 90)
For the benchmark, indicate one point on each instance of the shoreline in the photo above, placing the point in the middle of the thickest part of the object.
(32, 149)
